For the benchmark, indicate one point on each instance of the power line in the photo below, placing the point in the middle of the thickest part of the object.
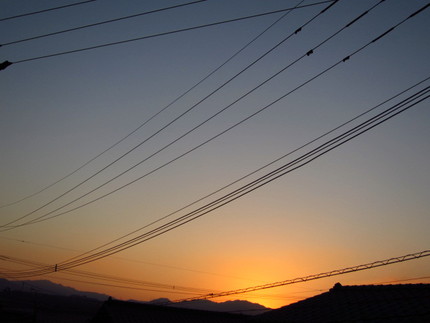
(256, 184)
(96, 276)
(167, 33)
(299, 162)
(260, 168)
(134, 260)
(336, 272)
(44, 217)
(154, 115)
(100, 23)
(46, 10)
(163, 128)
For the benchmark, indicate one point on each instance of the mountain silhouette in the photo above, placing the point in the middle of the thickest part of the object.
(47, 287)
(50, 288)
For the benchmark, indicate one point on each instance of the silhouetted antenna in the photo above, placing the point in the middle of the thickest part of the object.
(100, 23)
(46, 10)
(336, 272)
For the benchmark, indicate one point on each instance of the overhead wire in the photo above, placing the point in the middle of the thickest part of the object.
(46, 10)
(367, 266)
(127, 282)
(256, 184)
(281, 171)
(134, 260)
(250, 187)
(156, 114)
(262, 167)
(162, 129)
(43, 217)
(287, 168)
(166, 33)
(337, 272)
(100, 23)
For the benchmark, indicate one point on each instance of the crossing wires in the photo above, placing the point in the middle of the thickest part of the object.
(249, 43)
(44, 216)
(332, 273)
(285, 169)
(120, 42)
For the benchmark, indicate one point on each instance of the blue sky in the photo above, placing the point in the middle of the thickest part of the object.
(365, 201)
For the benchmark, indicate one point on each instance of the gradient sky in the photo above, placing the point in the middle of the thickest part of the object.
(365, 201)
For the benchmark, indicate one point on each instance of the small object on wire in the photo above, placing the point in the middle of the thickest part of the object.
(4, 65)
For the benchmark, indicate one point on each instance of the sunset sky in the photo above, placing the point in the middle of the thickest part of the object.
(366, 200)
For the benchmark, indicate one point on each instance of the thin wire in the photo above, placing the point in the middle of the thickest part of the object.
(340, 140)
(261, 168)
(100, 23)
(156, 133)
(281, 171)
(44, 217)
(153, 116)
(167, 33)
(46, 10)
(264, 180)
(134, 260)
(244, 190)
(96, 276)
(332, 273)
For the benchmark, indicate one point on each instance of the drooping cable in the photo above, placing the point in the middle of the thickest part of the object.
(260, 168)
(44, 218)
(332, 273)
(100, 23)
(154, 115)
(165, 33)
(254, 185)
(263, 180)
(157, 132)
(19, 274)
(46, 10)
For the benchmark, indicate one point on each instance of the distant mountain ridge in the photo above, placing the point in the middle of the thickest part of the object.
(236, 306)
(48, 287)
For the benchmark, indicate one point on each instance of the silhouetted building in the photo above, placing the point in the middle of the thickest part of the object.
(369, 303)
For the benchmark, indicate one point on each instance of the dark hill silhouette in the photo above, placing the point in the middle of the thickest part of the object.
(366, 303)
(237, 306)
(47, 287)
(23, 307)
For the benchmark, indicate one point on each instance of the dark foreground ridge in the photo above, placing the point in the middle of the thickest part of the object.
(367, 303)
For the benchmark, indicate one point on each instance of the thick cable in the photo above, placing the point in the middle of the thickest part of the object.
(281, 171)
